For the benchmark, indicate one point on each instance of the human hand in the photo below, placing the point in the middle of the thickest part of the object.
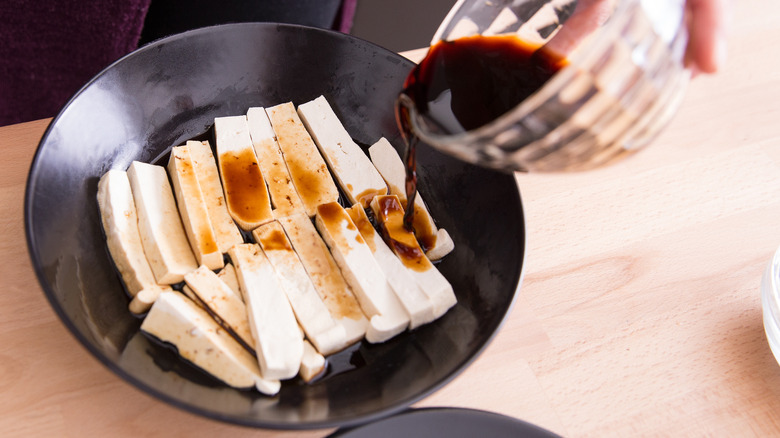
(706, 20)
(706, 51)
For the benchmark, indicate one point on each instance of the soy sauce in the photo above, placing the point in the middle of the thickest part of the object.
(463, 84)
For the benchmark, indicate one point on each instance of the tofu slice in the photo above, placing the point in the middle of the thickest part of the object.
(387, 316)
(325, 275)
(192, 208)
(225, 229)
(246, 195)
(393, 170)
(311, 313)
(308, 170)
(278, 341)
(228, 276)
(200, 340)
(162, 233)
(350, 165)
(120, 223)
(284, 198)
(388, 211)
(443, 244)
(219, 300)
(414, 300)
(312, 364)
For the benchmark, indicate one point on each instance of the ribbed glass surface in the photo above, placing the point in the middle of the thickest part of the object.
(623, 84)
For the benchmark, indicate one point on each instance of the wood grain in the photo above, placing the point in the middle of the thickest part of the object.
(639, 313)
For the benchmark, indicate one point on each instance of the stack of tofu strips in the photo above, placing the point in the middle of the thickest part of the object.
(310, 278)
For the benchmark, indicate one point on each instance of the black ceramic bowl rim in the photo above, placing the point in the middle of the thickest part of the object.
(48, 290)
(450, 422)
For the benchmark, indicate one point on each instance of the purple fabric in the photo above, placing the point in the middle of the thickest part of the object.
(346, 16)
(49, 49)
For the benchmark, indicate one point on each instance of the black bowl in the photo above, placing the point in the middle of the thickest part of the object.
(170, 91)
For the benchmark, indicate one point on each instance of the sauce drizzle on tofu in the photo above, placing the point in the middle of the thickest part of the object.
(204, 232)
(333, 215)
(276, 240)
(365, 227)
(365, 197)
(244, 185)
(397, 236)
(308, 182)
(426, 235)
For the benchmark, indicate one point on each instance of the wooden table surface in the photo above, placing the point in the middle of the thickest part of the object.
(639, 313)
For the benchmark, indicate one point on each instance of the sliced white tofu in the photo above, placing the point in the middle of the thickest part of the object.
(325, 275)
(217, 297)
(312, 364)
(312, 314)
(443, 245)
(200, 340)
(193, 210)
(120, 223)
(391, 166)
(190, 294)
(284, 198)
(393, 170)
(414, 300)
(278, 341)
(146, 297)
(225, 229)
(389, 213)
(350, 165)
(228, 276)
(162, 233)
(246, 194)
(308, 170)
(362, 272)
